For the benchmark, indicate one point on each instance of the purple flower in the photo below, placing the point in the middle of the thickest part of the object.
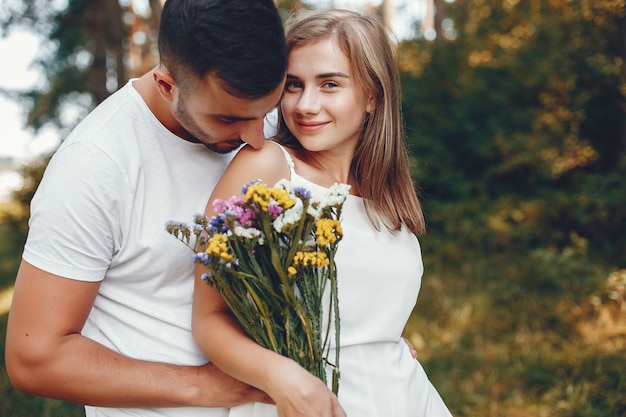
(201, 258)
(244, 189)
(217, 224)
(302, 192)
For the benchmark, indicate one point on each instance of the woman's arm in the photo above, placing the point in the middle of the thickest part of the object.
(295, 391)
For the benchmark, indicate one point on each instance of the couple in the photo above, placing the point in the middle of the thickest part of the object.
(102, 308)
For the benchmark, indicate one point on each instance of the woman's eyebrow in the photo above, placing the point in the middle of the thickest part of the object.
(324, 75)
(333, 74)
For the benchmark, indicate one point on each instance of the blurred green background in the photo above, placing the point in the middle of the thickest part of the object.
(515, 117)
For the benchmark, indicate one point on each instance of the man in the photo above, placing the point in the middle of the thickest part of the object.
(101, 311)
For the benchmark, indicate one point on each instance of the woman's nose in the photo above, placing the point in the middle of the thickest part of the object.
(308, 102)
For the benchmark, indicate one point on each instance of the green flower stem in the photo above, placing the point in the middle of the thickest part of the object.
(263, 310)
(335, 308)
(294, 248)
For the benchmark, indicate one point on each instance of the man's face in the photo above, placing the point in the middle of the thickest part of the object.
(220, 121)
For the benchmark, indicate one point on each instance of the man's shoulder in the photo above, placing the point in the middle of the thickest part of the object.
(112, 119)
(121, 106)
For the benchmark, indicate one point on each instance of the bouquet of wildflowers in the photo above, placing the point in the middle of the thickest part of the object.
(270, 254)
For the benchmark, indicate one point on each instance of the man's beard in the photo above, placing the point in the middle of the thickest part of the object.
(187, 122)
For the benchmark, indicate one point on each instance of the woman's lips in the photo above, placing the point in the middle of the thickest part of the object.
(311, 127)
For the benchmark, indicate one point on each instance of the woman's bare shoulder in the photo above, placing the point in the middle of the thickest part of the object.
(267, 164)
(268, 161)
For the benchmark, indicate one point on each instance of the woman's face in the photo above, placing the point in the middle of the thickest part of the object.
(322, 104)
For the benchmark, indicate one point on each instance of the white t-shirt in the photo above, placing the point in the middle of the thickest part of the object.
(99, 214)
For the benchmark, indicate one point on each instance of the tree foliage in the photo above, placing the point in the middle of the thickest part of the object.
(521, 119)
(91, 49)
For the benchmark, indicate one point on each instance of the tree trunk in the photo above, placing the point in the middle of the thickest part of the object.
(439, 15)
(621, 148)
(97, 76)
(115, 36)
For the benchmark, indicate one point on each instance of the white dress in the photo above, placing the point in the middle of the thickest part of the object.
(379, 276)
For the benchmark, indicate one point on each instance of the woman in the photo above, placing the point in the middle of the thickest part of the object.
(339, 122)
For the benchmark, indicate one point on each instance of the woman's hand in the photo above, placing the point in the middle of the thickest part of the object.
(298, 393)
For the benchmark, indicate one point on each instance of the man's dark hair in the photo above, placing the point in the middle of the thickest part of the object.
(242, 42)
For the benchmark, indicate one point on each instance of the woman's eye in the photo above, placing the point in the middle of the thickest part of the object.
(292, 85)
(330, 84)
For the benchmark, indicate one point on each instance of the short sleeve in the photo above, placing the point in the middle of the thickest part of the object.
(77, 214)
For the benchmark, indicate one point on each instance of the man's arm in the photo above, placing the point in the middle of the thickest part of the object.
(47, 356)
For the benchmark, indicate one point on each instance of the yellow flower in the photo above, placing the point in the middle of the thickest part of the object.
(315, 259)
(320, 259)
(259, 194)
(217, 247)
(282, 198)
(327, 231)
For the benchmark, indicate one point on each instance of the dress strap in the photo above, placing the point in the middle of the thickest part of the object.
(288, 158)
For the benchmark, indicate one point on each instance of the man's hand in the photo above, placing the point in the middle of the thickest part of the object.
(227, 390)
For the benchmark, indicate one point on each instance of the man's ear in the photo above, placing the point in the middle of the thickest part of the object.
(165, 82)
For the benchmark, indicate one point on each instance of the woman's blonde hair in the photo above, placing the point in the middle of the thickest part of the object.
(380, 163)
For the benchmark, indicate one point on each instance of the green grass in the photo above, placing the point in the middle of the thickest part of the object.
(542, 333)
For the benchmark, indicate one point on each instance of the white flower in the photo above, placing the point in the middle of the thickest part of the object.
(285, 184)
(336, 195)
(247, 232)
(315, 208)
(290, 216)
